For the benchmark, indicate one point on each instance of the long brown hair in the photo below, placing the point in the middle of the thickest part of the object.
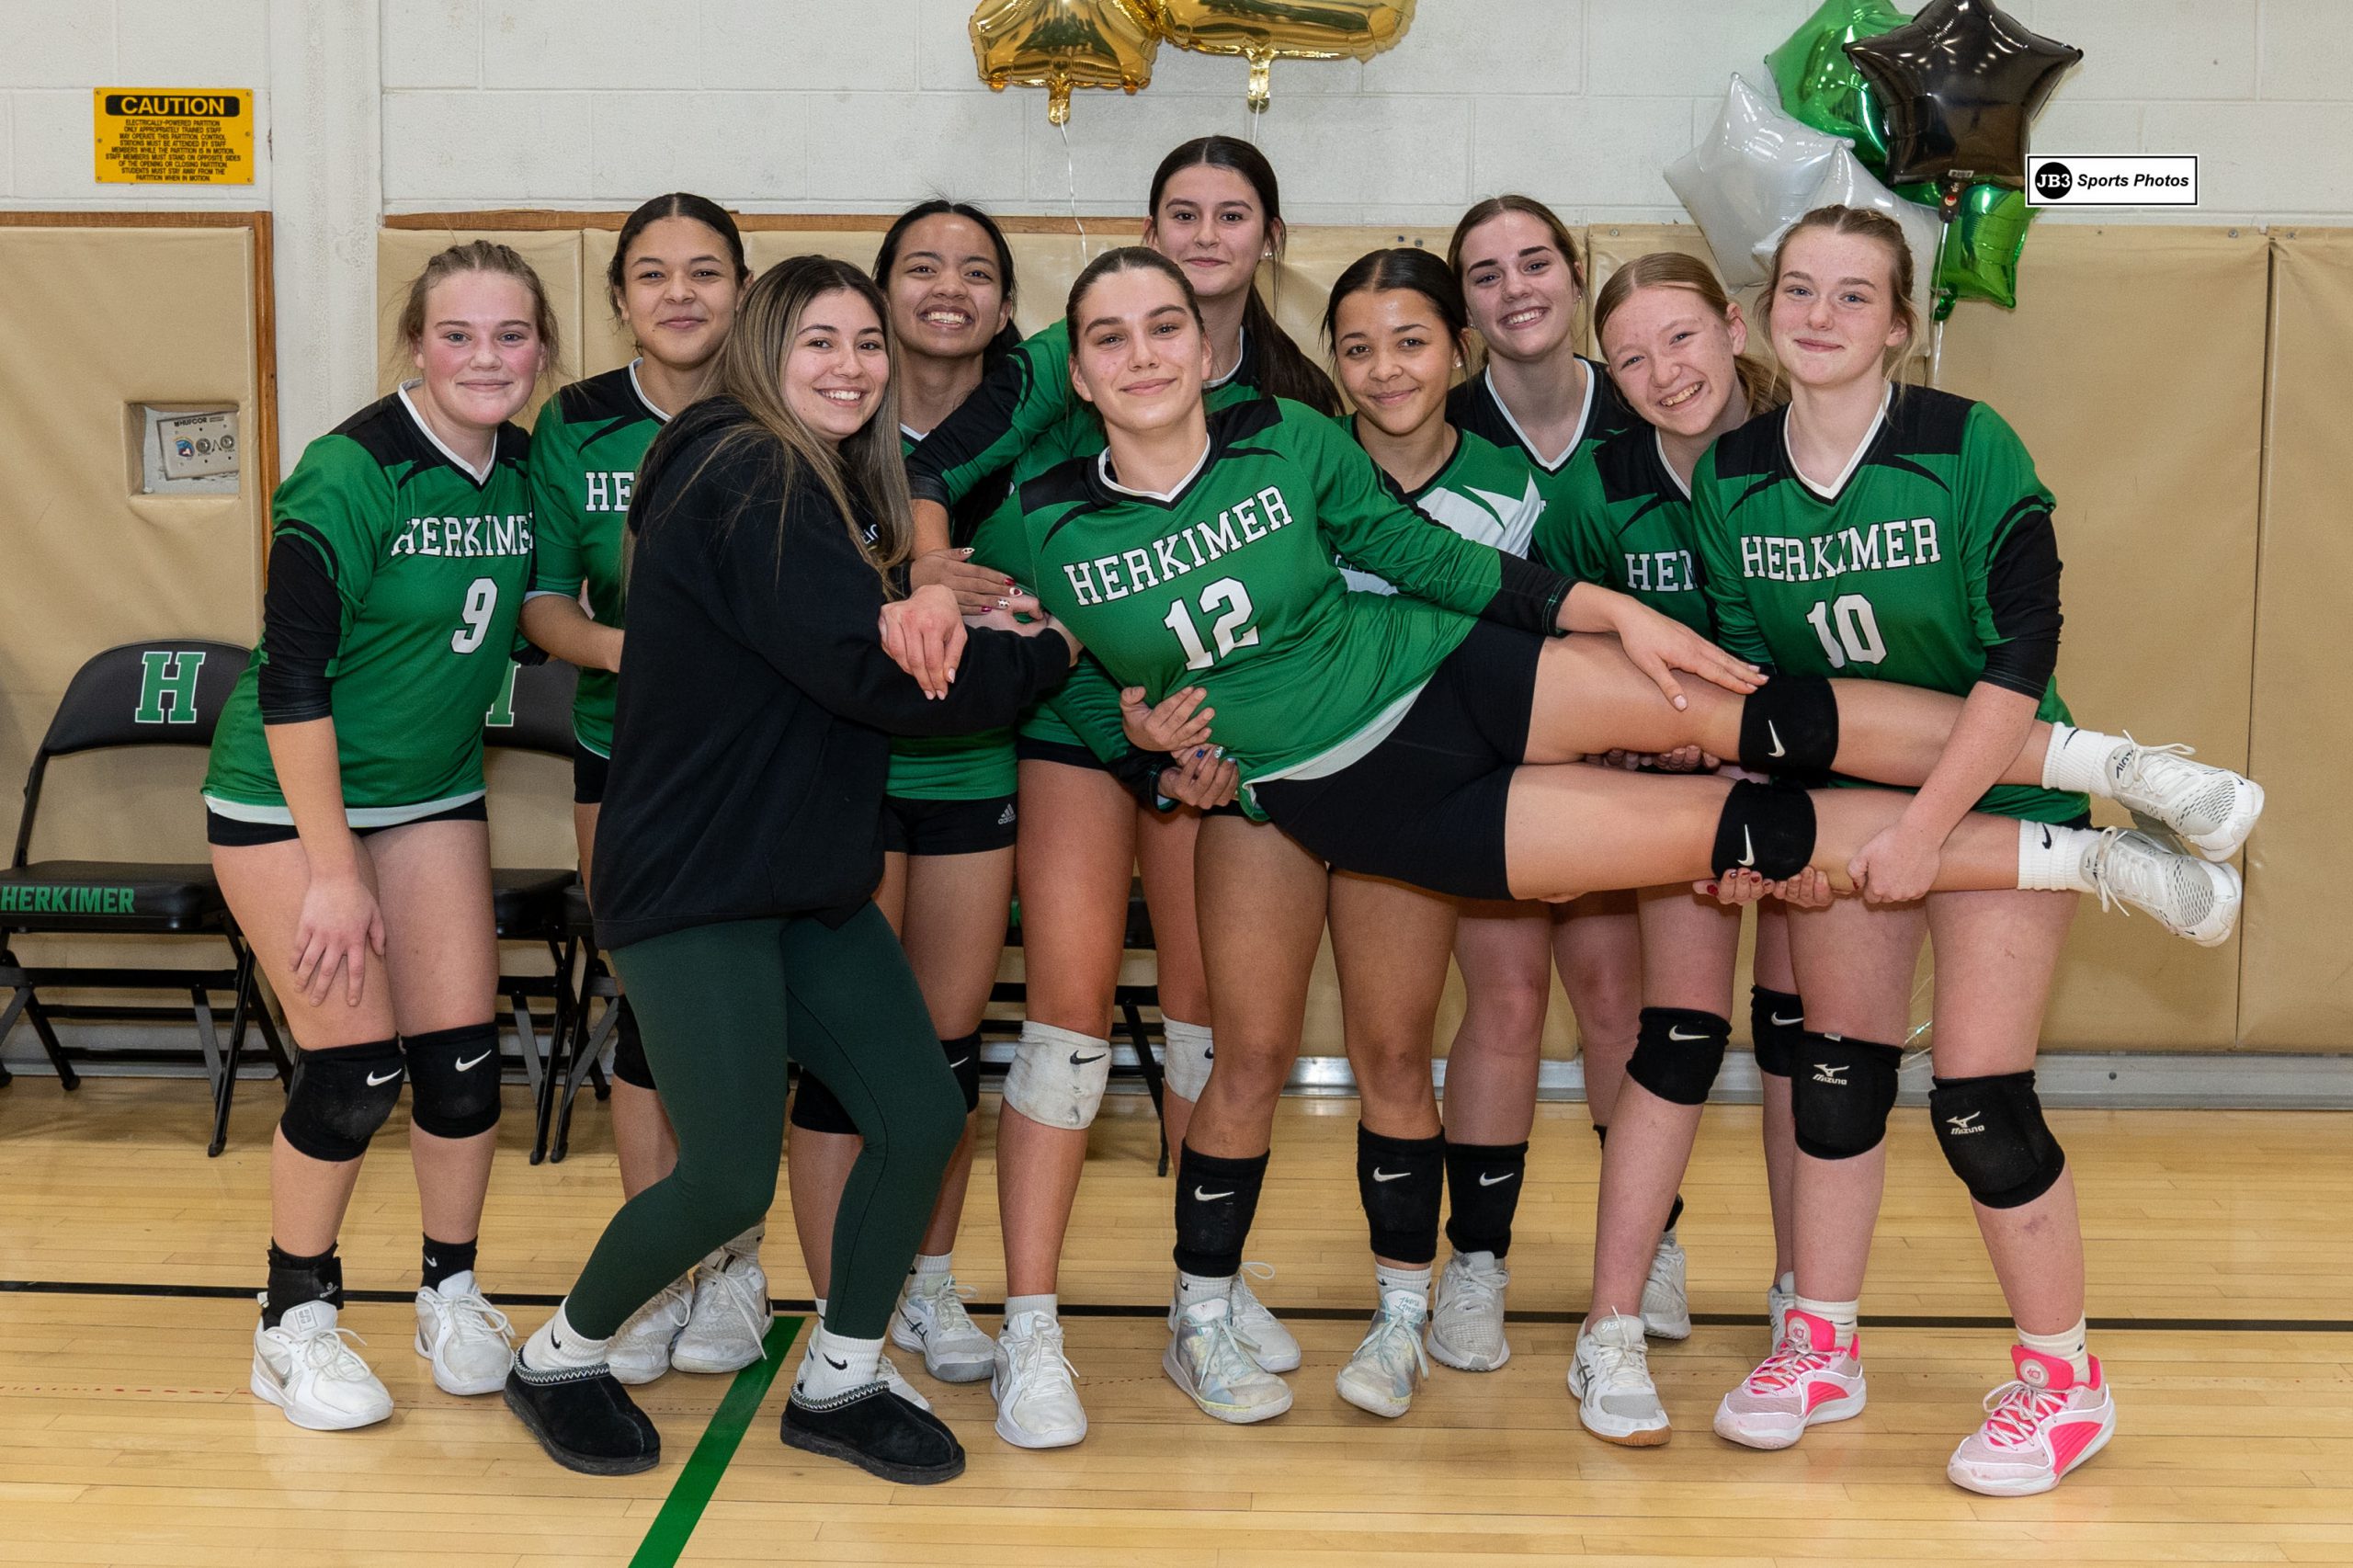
(1284, 369)
(1512, 201)
(1866, 224)
(480, 255)
(677, 204)
(1759, 382)
(864, 476)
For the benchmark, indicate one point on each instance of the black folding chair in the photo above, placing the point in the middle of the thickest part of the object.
(142, 694)
(534, 713)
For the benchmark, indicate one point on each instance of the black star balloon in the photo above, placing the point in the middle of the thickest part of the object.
(1961, 85)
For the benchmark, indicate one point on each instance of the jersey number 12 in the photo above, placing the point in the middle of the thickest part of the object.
(481, 600)
(1229, 593)
(1855, 639)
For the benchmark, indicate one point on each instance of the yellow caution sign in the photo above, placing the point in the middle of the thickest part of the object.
(173, 135)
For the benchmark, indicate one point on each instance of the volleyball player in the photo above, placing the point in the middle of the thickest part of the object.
(344, 805)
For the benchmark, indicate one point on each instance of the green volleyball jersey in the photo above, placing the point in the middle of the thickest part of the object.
(430, 564)
(1624, 521)
(1482, 491)
(1230, 584)
(1474, 406)
(1885, 577)
(584, 452)
(954, 768)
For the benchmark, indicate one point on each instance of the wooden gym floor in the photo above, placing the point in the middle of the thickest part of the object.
(2222, 1286)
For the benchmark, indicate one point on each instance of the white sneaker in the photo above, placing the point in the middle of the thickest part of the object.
(1269, 1343)
(931, 1320)
(1467, 1319)
(2211, 809)
(640, 1351)
(305, 1367)
(1667, 1306)
(1382, 1372)
(1777, 1309)
(1034, 1385)
(469, 1341)
(2188, 896)
(899, 1385)
(729, 1318)
(1611, 1376)
(1206, 1359)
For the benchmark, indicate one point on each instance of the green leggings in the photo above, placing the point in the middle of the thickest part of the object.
(719, 1006)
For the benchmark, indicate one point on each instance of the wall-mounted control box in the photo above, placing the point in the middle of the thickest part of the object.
(187, 451)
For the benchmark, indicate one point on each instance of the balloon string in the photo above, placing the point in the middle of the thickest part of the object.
(1070, 169)
(1935, 354)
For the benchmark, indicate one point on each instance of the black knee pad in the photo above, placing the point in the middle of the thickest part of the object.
(1765, 828)
(339, 1098)
(1840, 1094)
(964, 1055)
(453, 1077)
(815, 1109)
(1217, 1201)
(1790, 725)
(1677, 1051)
(628, 1049)
(1994, 1139)
(1777, 1024)
(1401, 1181)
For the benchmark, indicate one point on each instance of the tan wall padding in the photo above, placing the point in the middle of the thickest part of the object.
(2296, 969)
(95, 320)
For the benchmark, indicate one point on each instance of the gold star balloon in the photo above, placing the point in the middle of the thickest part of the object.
(1061, 44)
(1262, 31)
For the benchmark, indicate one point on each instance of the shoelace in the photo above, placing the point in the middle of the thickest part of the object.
(1225, 1357)
(1389, 1329)
(472, 1314)
(2121, 879)
(1782, 1368)
(1625, 1368)
(2129, 764)
(1242, 1302)
(328, 1354)
(1040, 1355)
(2015, 1411)
(1475, 1287)
(739, 1296)
(948, 1306)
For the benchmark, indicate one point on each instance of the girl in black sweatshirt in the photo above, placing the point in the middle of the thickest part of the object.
(740, 843)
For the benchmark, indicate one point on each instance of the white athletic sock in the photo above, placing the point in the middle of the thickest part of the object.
(836, 1364)
(2067, 1346)
(457, 1284)
(1411, 1283)
(931, 1266)
(818, 1302)
(1842, 1316)
(1788, 1284)
(1019, 1306)
(558, 1346)
(2051, 858)
(2078, 759)
(1196, 1293)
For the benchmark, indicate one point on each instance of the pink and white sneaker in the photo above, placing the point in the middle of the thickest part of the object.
(2036, 1429)
(1795, 1387)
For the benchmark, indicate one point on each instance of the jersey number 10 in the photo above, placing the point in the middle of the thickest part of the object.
(1226, 591)
(1856, 640)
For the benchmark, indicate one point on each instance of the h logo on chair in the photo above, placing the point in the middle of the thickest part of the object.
(167, 686)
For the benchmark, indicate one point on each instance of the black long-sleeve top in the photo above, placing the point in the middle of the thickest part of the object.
(751, 741)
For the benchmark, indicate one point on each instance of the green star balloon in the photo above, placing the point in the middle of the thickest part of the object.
(1979, 258)
(1821, 86)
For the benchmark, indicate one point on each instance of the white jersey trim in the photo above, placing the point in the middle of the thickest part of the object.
(1240, 352)
(1658, 439)
(1347, 752)
(1103, 467)
(638, 387)
(1577, 438)
(1854, 459)
(479, 475)
(355, 816)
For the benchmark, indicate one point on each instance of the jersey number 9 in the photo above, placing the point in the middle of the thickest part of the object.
(1856, 640)
(481, 600)
(1226, 591)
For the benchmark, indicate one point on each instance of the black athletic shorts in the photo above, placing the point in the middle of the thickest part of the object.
(1027, 750)
(234, 834)
(590, 772)
(911, 826)
(1427, 805)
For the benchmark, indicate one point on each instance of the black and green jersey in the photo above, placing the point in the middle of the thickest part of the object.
(1624, 521)
(1229, 583)
(429, 564)
(1482, 491)
(584, 451)
(956, 768)
(1474, 406)
(1931, 562)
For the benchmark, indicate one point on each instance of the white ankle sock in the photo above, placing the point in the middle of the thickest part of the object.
(1194, 1290)
(2051, 858)
(2078, 759)
(930, 1266)
(2066, 1346)
(558, 1346)
(1788, 1284)
(457, 1284)
(748, 1243)
(1018, 1306)
(836, 1364)
(1414, 1283)
(1842, 1316)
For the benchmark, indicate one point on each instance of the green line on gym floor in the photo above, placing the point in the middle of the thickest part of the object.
(690, 1494)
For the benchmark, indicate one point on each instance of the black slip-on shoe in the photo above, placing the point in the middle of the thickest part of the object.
(584, 1418)
(879, 1432)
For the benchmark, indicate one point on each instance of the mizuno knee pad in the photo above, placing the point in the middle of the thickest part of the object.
(1840, 1094)
(1192, 1049)
(1765, 828)
(453, 1076)
(1994, 1139)
(1058, 1076)
(1790, 725)
(1678, 1052)
(964, 1055)
(339, 1098)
